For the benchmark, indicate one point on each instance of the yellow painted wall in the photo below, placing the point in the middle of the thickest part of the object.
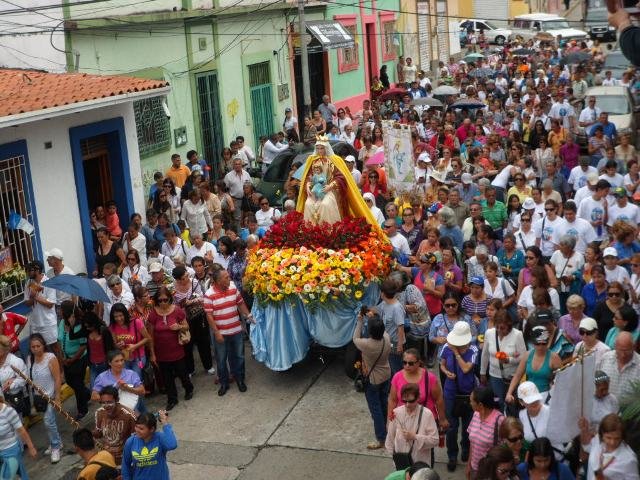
(465, 8)
(517, 7)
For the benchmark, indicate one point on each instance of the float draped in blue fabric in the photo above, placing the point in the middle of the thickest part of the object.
(283, 331)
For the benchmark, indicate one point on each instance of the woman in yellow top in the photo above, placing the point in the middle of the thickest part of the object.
(557, 136)
(520, 187)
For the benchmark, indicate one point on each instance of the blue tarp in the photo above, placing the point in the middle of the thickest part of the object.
(283, 331)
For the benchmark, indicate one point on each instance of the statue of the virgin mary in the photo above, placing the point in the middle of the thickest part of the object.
(329, 191)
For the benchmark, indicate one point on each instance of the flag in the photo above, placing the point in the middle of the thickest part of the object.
(17, 222)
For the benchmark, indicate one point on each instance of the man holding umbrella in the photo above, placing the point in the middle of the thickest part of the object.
(55, 259)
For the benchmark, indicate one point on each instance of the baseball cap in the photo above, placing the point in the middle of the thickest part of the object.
(544, 316)
(620, 192)
(55, 253)
(610, 252)
(466, 178)
(529, 204)
(477, 280)
(592, 178)
(588, 323)
(288, 109)
(424, 157)
(529, 393)
(350, 159)
(540, 334)
(600, 377)
(155, 267)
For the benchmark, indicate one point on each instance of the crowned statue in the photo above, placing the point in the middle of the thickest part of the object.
(329, 191)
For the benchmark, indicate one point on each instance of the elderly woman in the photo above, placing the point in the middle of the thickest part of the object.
(267, 215)
(200, 248)
(570, 322)
(568, 265)
(119, 376)
(512, 435)
(475, 265)
(13, 437)
(412, 431)
(502, 366)
(370, 200)
(449, 226)
(13, 386)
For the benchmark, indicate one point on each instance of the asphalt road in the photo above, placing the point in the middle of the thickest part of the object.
(306, 423)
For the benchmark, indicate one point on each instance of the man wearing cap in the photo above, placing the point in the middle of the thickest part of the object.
(460, 208)
(42, 300)
(535, 415)
(468, 190)
(613, 271)
(622, 365)
(116, 294)
(350, 161)
(623, 210)
(422, 169)
(594, 209)
(604, 402)
(55, 260)
(575, 227)
(158, 279)
(578, 175)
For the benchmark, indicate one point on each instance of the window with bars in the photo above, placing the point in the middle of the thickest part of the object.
(152, 126)
(348, 57)
(388, 35)
(17, 247)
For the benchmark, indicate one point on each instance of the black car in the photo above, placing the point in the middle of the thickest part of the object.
(272, 183)
(598, 26)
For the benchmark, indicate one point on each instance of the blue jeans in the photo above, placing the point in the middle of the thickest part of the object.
(377, 397)
(231, 349)
(52, 427)
(395, 362)
(454, 424)
(96, 369)
(499, 390)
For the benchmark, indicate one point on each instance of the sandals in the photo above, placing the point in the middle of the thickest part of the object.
(375, 445)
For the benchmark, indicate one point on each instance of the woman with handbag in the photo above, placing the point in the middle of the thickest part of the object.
(484, 429)
(503, 348)
(457, 364)
(121, 378)
(13, 386)
(376, 372)
(188, 295)
(44, 371)
(166, 322)
(413, 432)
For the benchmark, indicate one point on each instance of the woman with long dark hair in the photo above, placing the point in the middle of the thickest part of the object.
(542, 463)
(130, 336)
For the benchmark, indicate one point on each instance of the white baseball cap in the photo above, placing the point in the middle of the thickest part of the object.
(528, 204)
(529, 393)
(610, 252)
(54, 252)
(155, 267)
(466, 178)
(588, 323)
(350, 159)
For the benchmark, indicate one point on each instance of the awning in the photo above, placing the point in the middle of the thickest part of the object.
(327, 35)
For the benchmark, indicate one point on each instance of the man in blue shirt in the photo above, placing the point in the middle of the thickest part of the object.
(608, 128)
(194, 162)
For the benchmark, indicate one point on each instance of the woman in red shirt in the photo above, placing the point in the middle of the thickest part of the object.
(164, 324)
(8, 322)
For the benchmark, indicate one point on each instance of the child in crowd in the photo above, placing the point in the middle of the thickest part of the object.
(113, 221)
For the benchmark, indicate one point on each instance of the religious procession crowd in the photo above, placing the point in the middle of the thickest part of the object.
(516, 254)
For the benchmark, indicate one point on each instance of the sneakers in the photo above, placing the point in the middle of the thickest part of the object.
(452, 464)
(55, 455)
(48, 450)
(211, 371)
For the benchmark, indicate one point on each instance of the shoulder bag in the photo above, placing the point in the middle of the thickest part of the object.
(39, 402)
(403, 460)
(361, 381)
(194, 310)
(462, 402)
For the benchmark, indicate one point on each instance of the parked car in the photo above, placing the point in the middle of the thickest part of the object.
(617, 63)
(529, 25)
(493, 33)
(598, 26)
(271, 185)
(622, 109)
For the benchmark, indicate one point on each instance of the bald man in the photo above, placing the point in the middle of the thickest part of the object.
(622, 365)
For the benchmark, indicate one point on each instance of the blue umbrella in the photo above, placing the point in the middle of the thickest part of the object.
(81, 286)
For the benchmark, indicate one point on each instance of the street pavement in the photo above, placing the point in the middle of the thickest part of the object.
(306, 423)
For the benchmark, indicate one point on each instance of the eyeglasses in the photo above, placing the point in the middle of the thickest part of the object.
(549, 209)
(407, 400)
(108, 403)
(583, 331)
(526, 220)
(450, 305)
(388, 226)
(515, 439)
(614, 294)
(163, 300)
(407, 362)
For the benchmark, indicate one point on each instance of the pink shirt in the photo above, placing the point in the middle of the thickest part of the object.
(129, 336)
(482, 435)
(399, 381)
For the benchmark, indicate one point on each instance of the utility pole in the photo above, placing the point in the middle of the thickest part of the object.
(304, 60)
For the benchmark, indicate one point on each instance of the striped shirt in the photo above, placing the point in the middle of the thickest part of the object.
(482, 435)
(9, 424)
(223, 307)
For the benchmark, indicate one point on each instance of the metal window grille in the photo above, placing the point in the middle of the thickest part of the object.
(14, 196)
(259, 74)
(350, 55)
(152, 126)
(389, 32)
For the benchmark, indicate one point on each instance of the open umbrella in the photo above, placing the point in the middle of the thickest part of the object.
(429, 101)
(375, 159)
(81, 286)
(468, 103)
(473, 57)
(392, 93)
(523, 52)
(445, 90)
(481, 73)
(576, 57)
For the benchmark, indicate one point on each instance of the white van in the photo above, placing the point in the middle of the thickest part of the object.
(527, 26)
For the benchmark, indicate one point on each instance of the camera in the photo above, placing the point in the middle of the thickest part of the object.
(364, 310)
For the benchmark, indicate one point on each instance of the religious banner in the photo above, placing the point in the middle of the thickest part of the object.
(398, 156)
(571, 397)
(6, 262)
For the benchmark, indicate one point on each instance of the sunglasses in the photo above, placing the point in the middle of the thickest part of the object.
(412, 400)
(530, 257)
(614, 294)
(407, 362)
(163, 300)
(450, 305)
(583, 331)
(388, 226)
(549, 209)
(166, 186)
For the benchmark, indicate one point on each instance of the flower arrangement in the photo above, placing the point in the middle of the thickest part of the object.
(12, 278)
(317, 263)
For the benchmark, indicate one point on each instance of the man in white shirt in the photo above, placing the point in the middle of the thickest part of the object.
(611, 174)
(245, 149)
(42, 300)
(623, 210)
(538, 114)
(270, 150)
(594, 209)
(575, 227)
(561, 110)
(350, 161)
(608, 80)
(587, 190)
(589, 114)
(398, 241)
(55, 259)
(235, 180)
(580, 173)
(546, 227)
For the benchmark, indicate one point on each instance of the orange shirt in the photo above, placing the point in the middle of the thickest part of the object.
(178, 175)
